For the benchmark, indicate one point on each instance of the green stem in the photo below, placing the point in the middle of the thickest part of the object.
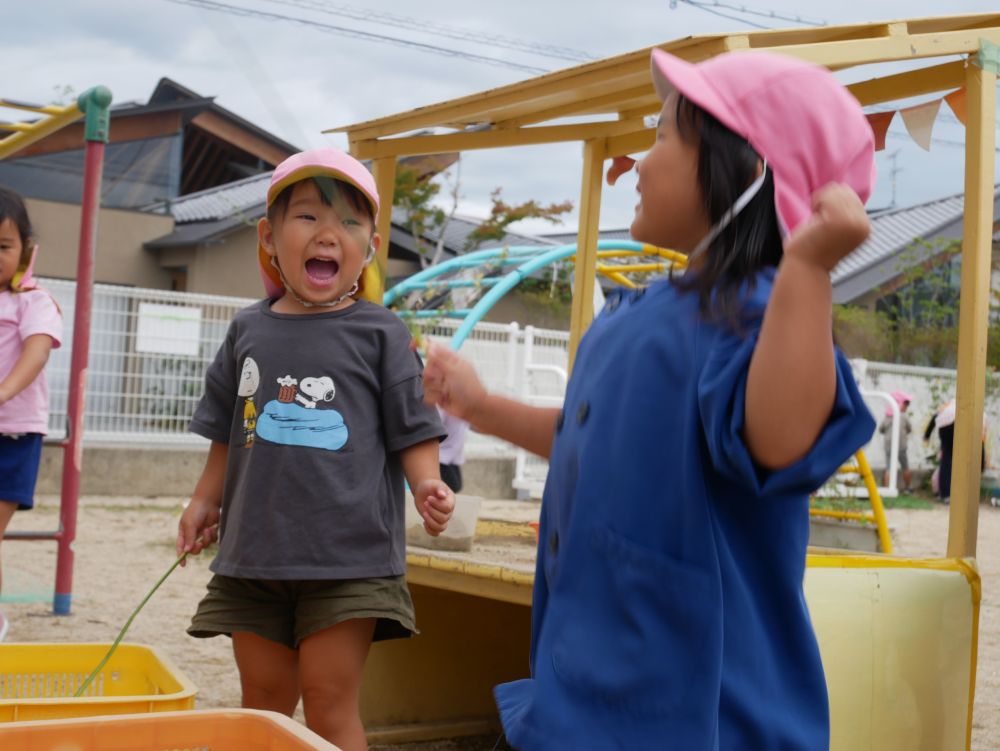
(121, 634)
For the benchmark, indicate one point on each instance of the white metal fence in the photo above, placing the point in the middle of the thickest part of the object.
(149, 350)
(148, 353)
(930, 389)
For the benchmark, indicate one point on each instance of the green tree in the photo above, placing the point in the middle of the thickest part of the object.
(416, 195)
(503, 214)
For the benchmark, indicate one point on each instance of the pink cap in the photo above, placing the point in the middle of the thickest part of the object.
(327, 162)
(796, 115)
(901, 398)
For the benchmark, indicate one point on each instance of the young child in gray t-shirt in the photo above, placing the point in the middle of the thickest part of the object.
(314, 406)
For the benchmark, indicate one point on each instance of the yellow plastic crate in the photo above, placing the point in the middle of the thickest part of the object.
(202, 730)
(37, 682)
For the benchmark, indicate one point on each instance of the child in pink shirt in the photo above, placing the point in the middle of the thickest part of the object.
(30, 326)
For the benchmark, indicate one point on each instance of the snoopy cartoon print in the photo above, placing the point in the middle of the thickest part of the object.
(249, 383)
(294, 420)
(312, 391)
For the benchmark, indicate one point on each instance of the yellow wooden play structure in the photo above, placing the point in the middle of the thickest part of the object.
(898, 635)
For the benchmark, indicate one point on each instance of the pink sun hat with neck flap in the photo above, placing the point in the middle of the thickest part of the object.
(326, 162)
(796, 115)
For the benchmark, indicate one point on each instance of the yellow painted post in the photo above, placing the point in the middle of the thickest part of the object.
(586, 248)
(384, 170)
(35, 131)
(973, 317)
(878, 510)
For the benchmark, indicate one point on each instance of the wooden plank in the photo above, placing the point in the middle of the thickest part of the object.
(617, 73)
(973, 317)
(611, 102)
(834, 46)
(582, 311)
(912, 83)
(240, 138)
(491, 139)
(889, 48)
(631, 143)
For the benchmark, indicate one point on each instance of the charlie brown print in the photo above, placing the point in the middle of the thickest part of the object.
(298, 416)
(249, 383)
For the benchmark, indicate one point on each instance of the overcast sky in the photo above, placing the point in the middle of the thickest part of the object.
(296, 79)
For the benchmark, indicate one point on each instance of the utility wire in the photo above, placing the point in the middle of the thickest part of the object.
(745, 10)
(451, 32)
(356, 34)
(700, 6)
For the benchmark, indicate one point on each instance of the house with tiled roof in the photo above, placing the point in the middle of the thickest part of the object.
(925, 235)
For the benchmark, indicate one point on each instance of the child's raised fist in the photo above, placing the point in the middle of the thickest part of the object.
(838, 225)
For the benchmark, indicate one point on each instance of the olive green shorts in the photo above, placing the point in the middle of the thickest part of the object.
(287, 612)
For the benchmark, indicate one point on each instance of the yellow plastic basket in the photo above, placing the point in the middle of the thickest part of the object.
(37, 682)
(202, 730)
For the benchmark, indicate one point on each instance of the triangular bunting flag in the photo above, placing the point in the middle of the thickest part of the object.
(880, 122)
(956, 100)
(919, 122)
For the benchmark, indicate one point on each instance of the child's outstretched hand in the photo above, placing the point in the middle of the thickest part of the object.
(198, 527)
(837, 226)
(451, 383)
(435, 503)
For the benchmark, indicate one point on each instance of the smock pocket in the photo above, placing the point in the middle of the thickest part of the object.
(641, 632)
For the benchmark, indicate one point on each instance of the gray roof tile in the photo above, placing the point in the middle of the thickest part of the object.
(243, 197)
(896, 229)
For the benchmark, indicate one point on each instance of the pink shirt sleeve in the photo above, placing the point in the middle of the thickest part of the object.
(39, 315)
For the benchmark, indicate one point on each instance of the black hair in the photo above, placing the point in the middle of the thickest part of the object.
(325, 186)
(727, 165)
(12, 207)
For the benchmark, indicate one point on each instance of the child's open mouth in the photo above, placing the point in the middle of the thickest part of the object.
(321, 270)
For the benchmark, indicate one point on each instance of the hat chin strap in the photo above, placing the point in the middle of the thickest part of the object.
(333, 303)
(727, 218)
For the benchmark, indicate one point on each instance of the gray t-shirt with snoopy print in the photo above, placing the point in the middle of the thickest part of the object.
(315, 410)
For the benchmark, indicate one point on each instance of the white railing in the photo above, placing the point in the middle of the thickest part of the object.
(149, 350)
(930, 389)
(148, 353)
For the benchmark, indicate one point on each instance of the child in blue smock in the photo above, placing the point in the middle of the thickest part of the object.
(668, 606)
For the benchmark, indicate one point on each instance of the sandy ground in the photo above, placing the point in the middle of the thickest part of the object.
(124, 545)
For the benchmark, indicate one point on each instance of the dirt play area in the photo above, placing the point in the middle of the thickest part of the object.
(124, 545)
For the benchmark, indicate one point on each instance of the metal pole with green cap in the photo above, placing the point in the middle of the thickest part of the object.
(95, 104)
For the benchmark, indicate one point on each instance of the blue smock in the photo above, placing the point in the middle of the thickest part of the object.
(668, 606)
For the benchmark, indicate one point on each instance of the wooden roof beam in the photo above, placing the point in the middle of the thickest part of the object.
(592, 105)
(846, 47)
(239, 137)
(607, 76)
(891, 48)
(912, 83)
(491, 139)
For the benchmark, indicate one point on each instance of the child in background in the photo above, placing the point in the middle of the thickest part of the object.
(30, 326)
(668, 607)
(306, 495)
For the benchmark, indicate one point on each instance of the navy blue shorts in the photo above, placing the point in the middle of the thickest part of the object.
(19, 460)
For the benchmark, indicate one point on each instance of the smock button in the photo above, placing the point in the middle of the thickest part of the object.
(554, 543)
(581, 413)
(559, 421)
